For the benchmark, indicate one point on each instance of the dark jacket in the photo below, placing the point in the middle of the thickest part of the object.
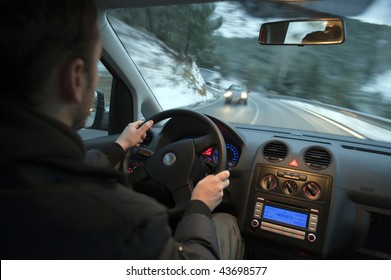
(55, 206)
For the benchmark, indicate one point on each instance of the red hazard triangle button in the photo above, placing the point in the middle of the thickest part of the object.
(294, 163)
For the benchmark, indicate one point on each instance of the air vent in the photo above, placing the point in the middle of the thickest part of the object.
(148, 139)
(275, 151)
(317, 158)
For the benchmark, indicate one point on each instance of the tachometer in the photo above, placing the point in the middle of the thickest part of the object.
(232, 155)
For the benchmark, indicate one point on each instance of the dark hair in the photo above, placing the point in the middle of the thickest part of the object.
(37, 35)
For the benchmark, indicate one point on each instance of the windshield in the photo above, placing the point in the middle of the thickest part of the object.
(191, 54)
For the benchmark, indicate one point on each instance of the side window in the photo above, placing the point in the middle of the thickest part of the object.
(97, 123)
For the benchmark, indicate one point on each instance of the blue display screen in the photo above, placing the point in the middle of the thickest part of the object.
(285, 216)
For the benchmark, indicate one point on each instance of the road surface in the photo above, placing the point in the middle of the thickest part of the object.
(272, 112)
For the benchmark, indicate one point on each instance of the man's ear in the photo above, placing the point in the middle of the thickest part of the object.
(72, 81)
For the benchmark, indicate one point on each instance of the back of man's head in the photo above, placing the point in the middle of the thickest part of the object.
(37, 36)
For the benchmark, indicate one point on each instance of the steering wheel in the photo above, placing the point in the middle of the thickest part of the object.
(174, 165)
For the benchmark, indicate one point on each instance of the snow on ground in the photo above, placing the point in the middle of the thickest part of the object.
(174, 83)
(236, 23)
(378, 13)
(382, 84)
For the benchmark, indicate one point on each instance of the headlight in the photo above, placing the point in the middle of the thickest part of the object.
(243, 95)
(228, 94)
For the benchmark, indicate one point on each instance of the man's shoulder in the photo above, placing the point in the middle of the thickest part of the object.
(91, 191)
(112, 197)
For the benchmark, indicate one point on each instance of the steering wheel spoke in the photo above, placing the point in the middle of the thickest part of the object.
(203, 142)
(171, 165)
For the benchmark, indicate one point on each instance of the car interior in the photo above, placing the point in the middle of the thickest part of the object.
(310, 154)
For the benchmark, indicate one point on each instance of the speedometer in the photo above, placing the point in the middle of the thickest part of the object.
(232, 155)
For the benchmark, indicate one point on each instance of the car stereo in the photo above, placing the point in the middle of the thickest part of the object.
(297, 223)
(289, 206)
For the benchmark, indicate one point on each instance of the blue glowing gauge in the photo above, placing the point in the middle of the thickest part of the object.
(232, 155)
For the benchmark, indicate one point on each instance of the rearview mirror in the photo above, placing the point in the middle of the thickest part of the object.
(303, 32)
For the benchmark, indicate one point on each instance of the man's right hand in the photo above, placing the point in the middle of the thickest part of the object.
(210, 189)
(134, 134)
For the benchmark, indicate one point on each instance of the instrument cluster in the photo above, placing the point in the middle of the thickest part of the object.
(211, 154)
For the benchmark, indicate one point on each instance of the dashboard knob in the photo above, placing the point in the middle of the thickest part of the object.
(290, 187)
(312, 190)
(311, 237)
(269, 182)
(254, 223)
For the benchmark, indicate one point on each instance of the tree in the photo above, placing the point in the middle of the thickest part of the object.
(193, 37)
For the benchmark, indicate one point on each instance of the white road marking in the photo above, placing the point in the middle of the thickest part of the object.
(355, 134)
(256, 113)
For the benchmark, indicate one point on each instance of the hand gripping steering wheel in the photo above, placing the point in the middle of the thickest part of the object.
(173, 164)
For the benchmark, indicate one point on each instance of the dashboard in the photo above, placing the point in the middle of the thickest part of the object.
(302, 196)
(209, 156)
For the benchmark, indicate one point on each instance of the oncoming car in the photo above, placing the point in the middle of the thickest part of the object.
(236, 93)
